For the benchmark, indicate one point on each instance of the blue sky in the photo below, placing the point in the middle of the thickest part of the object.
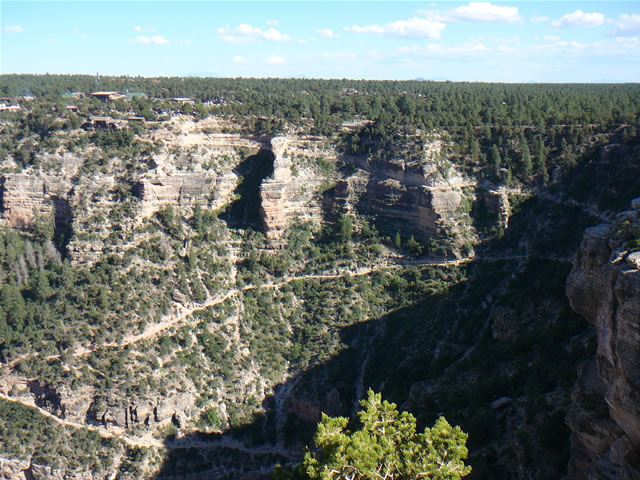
(535, 41)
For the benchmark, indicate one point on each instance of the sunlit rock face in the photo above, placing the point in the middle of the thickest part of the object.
(292, 191)
(23, 197)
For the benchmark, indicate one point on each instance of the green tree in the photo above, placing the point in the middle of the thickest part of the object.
(13, 305)
(148, 115)
(414, 246)
(345, 227)
(43, 227)
(475, 150)
(496, 161)
(541, 161)
(397, 241)
(386, 447)
(526, 157)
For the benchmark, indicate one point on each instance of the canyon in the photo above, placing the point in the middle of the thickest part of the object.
(231, 287)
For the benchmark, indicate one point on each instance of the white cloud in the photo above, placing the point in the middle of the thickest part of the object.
(414, 28)
(539, 19)
(579, 19)
(626, 47)
(158, 40)
(515, 40)
(327, 32)
(83, 37)
(141, 29)
(551, 47)
(272, 23)
(274, 35)
(52, 40)
(551, 38)
(239, 59)
(464, 49)
(627, 44)
(485, 12)
(245, 33)
(13, 29)
(155, 40)
(275, 60)
(627, 24)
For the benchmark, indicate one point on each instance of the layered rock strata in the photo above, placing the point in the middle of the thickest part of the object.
(290, 192)
(156, 191)
(274, 192)
(604, 287)
(23, 197)
(409, 196)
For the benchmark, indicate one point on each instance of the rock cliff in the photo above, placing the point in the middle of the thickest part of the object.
(604, 287)
(291, 191)
(23, 195)
(181, 188)
(18, 469)
(418, 196)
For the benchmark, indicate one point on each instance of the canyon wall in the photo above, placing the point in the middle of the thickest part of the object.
(604, 288)
(23, 197)
(416, 197)
(421, 196)
(293, 191)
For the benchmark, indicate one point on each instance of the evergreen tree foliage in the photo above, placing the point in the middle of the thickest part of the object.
(527, 165)
(386, 447)
(541, 161)
(496, 160)
(397, 241)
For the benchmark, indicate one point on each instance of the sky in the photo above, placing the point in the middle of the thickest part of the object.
(534, 41)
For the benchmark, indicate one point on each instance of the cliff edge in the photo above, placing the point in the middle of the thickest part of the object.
(604, 288)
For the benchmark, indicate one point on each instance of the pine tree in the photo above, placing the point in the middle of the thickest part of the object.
(475, 150)
(496, 161)
(397, 241)
(13, 304)
(387, 446)
(527, 166)
(541, 161)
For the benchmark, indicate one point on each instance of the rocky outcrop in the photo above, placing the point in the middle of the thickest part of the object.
(290, 191)
(497, 203)
(421, 196)
(413, 196)
(274, 191)
(156, 191)
(604, 287)
(19, 469)
(141, 412)
(23, 196)
(424, 209)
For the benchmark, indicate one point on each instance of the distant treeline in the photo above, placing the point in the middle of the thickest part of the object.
(420, 104)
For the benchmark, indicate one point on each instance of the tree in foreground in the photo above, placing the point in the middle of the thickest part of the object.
(387, 447)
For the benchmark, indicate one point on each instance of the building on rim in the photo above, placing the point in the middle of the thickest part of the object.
(108, 96)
